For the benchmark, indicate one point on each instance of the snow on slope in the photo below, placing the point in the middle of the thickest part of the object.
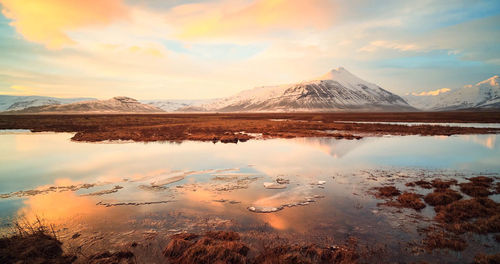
(119, 104)
(485, 94)
(173, 105)
(338, 90)
(12, 102)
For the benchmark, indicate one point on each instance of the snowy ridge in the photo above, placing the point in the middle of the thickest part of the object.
(173, 105)
(337, 90)
(485, 94)
(118, 104)
(12, 102)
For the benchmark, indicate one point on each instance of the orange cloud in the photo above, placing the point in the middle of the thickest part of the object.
(48, 21)
(20, 90)
(259, 17)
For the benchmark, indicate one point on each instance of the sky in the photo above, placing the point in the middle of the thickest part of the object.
(200, 49)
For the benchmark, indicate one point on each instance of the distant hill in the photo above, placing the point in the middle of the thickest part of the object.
(12, 102)
(337, 90)
(113, 105)
(483, 95)
(173, 105)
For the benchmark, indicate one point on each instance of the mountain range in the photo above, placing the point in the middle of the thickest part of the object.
(12, 102)
(337, 90)
(173, 105)
(483, 95)
(120, 104)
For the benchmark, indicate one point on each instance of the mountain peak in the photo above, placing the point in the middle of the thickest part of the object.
(338, 69)
(125, 99)
(335, 74)
(337, 90)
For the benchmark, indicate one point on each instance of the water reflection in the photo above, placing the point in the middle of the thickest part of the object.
(476, 125)
(133, 189)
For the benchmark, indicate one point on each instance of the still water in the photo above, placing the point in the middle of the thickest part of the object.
(116, 192)
(476, 125)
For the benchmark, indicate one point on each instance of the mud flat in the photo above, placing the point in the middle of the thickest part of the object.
(234, 128)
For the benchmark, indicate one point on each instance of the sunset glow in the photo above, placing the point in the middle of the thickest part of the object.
(210, 49)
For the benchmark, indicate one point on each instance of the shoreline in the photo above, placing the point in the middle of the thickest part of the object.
(241, 127)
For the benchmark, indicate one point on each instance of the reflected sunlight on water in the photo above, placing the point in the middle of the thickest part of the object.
(133, 190)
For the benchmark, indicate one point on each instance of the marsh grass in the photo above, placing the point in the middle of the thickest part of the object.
(32, 242)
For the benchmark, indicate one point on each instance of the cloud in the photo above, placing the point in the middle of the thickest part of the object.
(259, 17)
(432, 93)
(475, 40)
(48, 21)
(19, 90)
(203, 49)
(383, 44)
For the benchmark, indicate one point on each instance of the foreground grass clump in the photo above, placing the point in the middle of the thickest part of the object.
(32, 243)
(478, 215)
(387, 191)
(464, 210)
(442, 197)
(443, 240)
(487, 259)
(411, 200)
(226, 247)
(477, 187)
(421, 183)
(443, 184)
(223, 247)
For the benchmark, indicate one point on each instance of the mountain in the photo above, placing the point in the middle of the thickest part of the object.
(174, 105)
(483, 95)
(119, 104)
(337, 90)
(11, 102)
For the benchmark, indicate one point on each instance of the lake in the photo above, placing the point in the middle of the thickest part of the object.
(305, 190)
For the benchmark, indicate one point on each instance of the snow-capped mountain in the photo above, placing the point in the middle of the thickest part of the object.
(485, 94)
(119, 104)
(337, 90)
(173, 105)
(12, 102)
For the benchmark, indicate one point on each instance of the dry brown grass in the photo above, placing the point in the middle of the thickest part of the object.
(33, 242)
(487, 259)
(464, 210)
(422, 184)
(213, 247)
(387, 191)
(411, 200)
(306, 254)
(477, 187)
(442, 197)
(226, 247)
(440, 239)
(478, 215)
(443, 184)
(227, 127)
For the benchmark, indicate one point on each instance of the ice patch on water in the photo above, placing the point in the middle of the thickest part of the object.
(103, 192)
(298, 196)
(318, 183)
(274, 185)
(263, 209)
